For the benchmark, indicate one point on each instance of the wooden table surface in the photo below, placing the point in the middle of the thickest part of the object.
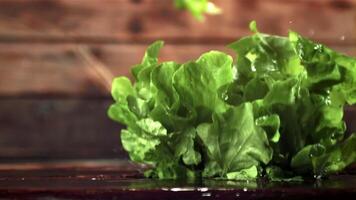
(123, 180)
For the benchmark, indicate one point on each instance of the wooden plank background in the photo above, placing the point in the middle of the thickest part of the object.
(57, 59)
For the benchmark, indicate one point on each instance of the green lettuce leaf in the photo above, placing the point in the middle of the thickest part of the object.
(198, 7)
(234, 143)
(276, 111)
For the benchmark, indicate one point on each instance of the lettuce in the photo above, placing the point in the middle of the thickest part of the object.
(277, 111)
(198, 7)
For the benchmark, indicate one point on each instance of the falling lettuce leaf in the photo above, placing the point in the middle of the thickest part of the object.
(198, 7)
(277, 111)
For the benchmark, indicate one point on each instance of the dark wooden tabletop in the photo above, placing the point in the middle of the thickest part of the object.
(123, 180)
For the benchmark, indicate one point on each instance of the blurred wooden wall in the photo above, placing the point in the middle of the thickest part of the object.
(57, 58)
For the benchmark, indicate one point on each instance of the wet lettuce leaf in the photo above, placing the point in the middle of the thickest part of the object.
(234, 143)
(276, 111)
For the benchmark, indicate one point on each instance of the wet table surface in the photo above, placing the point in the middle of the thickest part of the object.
(123, 180)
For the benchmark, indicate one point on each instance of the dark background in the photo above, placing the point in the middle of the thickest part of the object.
(58, 57)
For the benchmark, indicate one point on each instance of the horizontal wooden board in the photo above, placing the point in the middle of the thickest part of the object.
(66, 128)
(43, 69)
(350, 117)
(146, 20)
(77, 70)
(54, 129)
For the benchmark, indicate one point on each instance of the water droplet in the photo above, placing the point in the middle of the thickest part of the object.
(253, 68)
(342, 38)
(206, 194)
(333, 136)
(93, 179)
(290, 22)
(318, 47)
(237, 194)
(311, 32)
(234, 72)
(245, 189)
(204, 189)
(317, 176)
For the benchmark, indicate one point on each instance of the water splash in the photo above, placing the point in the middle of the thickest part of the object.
(181, 189)
(318, 177)
(203, 189)
(206, 194)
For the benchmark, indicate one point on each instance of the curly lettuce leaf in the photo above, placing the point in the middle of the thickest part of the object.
(234, 143)
(277, 111)
(306, 85)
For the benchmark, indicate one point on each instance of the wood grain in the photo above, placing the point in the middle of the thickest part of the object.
(43, 69)
(350, 117)
(126, 21)
(55, 129)
(58, 70)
